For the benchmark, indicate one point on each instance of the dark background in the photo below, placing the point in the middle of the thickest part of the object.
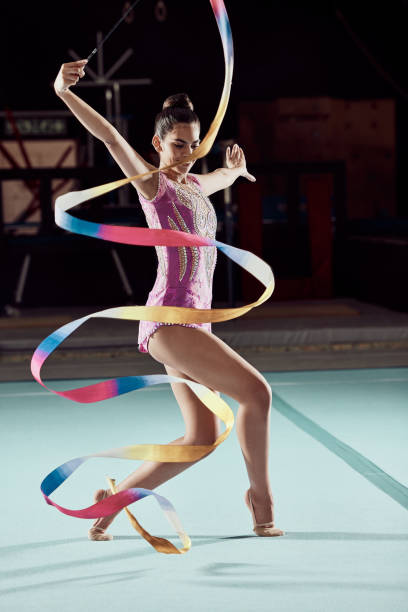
(282, 49)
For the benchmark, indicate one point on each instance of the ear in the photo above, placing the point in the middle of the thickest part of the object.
(157, 143)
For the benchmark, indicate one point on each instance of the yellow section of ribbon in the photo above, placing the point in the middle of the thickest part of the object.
(160, 544)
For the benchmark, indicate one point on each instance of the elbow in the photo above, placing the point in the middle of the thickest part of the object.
(111, 137)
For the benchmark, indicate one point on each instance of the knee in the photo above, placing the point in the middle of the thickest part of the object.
(200, 438)
(260, 396)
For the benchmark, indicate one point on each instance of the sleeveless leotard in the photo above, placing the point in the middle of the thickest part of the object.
(184, 274)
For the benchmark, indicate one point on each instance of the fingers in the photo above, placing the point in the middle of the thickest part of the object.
(69, 82)
(77, 64)
(250, 177)
(74, 67)
(235, 153)
(235, 158)
(71, 72)
(75, 73)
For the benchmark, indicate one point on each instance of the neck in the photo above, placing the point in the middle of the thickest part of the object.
(178, 177)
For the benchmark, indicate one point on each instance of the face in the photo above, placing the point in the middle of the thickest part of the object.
(181, 141)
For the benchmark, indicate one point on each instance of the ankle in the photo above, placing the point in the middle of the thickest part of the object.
(103, 522)
(261, 497)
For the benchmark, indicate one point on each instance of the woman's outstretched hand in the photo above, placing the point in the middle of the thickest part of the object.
(68, 75)
(235, 158)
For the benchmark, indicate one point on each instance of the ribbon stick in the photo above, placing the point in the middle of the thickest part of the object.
(170, 314)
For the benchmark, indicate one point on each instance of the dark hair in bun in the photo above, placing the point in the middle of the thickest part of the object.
(176, 109)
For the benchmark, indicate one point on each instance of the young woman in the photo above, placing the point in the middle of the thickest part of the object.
(176, 199)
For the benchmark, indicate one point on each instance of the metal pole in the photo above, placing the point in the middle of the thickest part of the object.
(47, 216)
(90, 146)
(18, 296)
(108, 100)
(122, 273)
(118, 63)
(118, 111)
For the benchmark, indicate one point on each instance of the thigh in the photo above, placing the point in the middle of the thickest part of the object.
(208, 360)
(202, 426)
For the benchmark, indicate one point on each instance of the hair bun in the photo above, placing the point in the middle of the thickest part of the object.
(180, 100)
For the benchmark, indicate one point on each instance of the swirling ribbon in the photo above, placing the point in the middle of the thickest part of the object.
(170, 314)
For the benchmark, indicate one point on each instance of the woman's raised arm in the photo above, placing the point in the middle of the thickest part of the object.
(224, 177)
(126, 157)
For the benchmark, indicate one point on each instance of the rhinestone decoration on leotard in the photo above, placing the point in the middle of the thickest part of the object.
(193, 250)
(181, 251)
(207, 229)
(182, 196)
(204, 218)
(205, 223)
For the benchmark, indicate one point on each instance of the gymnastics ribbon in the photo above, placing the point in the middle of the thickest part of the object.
(170, 314)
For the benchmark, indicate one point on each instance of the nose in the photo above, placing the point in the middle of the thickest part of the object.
(187, 151)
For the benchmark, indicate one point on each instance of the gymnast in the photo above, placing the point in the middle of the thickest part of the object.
(178, 200)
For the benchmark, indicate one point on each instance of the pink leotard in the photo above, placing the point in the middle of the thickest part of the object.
(184, 274)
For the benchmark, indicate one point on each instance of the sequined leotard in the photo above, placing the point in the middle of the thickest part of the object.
(184, 274)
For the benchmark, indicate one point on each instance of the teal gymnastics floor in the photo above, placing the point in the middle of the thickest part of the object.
(339, 459)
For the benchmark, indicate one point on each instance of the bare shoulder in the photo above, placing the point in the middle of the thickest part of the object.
(202, 181)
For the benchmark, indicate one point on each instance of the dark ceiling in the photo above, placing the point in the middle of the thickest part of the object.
(282, 48)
